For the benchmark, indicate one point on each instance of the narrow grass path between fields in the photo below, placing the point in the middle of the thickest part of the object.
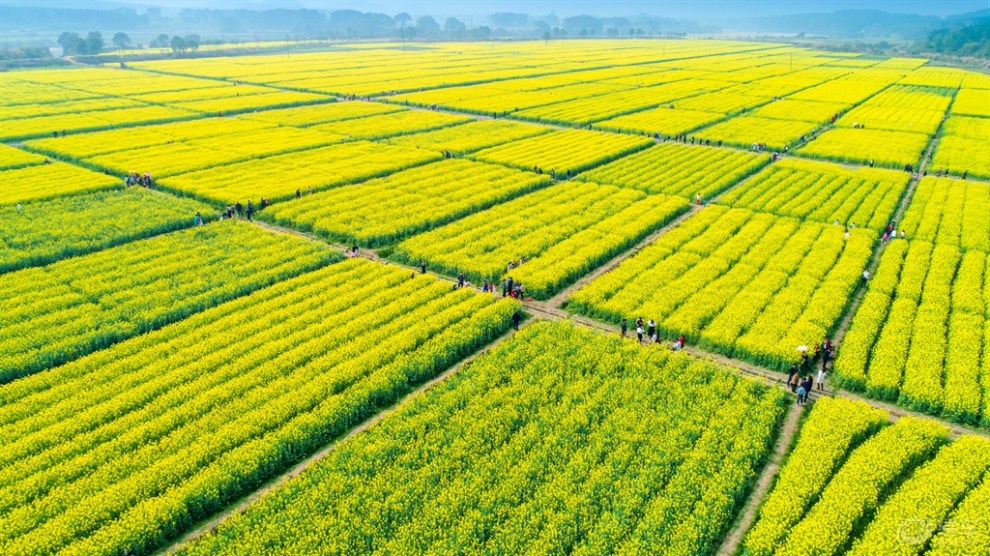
(746, 517)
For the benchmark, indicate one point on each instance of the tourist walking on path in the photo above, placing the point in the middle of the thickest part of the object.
(624, 327)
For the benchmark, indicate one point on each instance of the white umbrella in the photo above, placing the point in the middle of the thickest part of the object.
(802, 348)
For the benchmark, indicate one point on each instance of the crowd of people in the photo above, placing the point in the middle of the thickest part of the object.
(648, 332)
(134, 178)
(800, 377)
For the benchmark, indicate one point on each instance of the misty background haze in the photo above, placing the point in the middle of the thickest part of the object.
(28, 28)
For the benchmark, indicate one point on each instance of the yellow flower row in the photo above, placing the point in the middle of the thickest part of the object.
(890, 492)
(909, 518)
(141, 440)
(858, 488)
(823, 192)
(918, 335)
(558, 441)
(834, 427)
(62, 311)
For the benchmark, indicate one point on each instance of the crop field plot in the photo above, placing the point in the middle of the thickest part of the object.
(745, 131)
(846, 90)
(801, 110)
(87, 145)
(680, 169)
(213, 151)
(558, 441)
(46, 181)
(822, 192)
(857, 485)
(914, 109)
(972, 102)
(59, 312)
(41, 232)
(951, 212)
(509, 96)
(472, 136)
(962, 147)
(245, 103)
(303, 116)
(602, 107)
(562, 231)
(279, 177)
(12, 158)
(42, 126)
(565, 152)
(119, 450)
(747, 284)
(726, 102)
(917, 338)
(393, 123)
(664, 120)
(384, 210)
(890, 149)
(220, 91)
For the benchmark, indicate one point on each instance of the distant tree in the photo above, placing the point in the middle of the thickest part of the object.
(121, 40)
(192, 41)
(160, 41)
(94, 42)
(454, 28)
(427, 27)
(178, 44)
(70, 43)
(632, 32)
(480, 33)
(546, 37)
(403, 19)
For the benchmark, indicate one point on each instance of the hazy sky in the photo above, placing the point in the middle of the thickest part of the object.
(687, 9)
